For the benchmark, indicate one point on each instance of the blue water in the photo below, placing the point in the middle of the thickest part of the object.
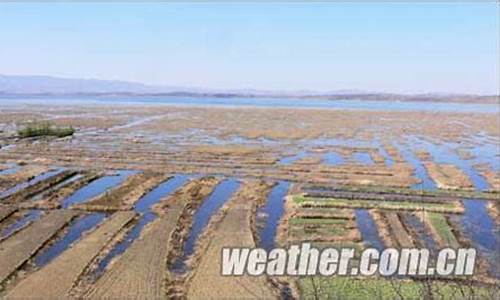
(292, 158)
(481, 229)
(56, 187)
(164, 189)
(31, 182)
(368, 229)
(363, 158)
(419, 170)
(222, 193)
(97, 187)
(389, 162)
(74, 233)
(31, 216)
(11, 169)
(444, 153)
(143, 206)
(261, 102)
(333, 159)
(422, 232)
(123, 245)
(273, 210)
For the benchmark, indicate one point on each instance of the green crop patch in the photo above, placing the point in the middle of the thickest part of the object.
(447, 207)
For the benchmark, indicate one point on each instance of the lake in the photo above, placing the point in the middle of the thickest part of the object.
(381, 105)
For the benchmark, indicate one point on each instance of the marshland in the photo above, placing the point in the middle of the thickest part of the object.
(146, 195)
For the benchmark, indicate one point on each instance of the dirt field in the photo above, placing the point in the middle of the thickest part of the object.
(234, 230)
(354, 179)
(18, 248)
(142, 271)
(58, 278)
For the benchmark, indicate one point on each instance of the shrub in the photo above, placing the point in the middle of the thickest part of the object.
(44, 129)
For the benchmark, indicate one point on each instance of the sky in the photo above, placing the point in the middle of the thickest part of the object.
(393, 47)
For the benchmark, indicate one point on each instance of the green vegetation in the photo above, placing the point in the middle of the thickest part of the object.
(339, 245)
(452, 207)
(302, 221)
(443, 229)
(379, 288)
(414, 192)
(304, 233)
(44, 129)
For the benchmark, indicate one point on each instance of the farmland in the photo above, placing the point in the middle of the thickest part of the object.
(140, 199)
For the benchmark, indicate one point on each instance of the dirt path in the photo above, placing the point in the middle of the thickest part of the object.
(233, 230)
(141, 272)
(6, 211)
(17, 249)
(56, 280)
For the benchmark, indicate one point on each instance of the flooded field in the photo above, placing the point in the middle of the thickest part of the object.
(141, 199)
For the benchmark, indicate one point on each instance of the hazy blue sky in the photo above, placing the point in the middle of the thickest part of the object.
(402, 47)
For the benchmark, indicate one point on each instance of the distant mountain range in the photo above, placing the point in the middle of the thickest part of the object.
(55, 86)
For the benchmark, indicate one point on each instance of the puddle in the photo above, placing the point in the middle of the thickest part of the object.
(31, 216)
(97, 187)
(136, 123)
(74, 233)
(210, 206)
(291, 159)
(422, 233)
(143, 206)
(445, 153)
(389, 162)
(481, 229)
(43, 194)
(11, 169)
(332, 159)
(272, 212)
(368, 229)
(31, 182)
(419, 170)
(363, 158)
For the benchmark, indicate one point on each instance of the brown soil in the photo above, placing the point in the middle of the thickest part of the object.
(492, 177)
(448, 176)
(27, 193)
(392, 230)
(54, 199)
(494, 210)
(234, 230)
(6, 211)
(18, 248)
(56, 279)
(25, 174)
(124, 196)
(138, 272)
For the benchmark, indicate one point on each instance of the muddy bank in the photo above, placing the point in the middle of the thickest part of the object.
(124, 196)
(17, 249)
(391, 229)
(234, 229)
(151, 251)
(54, 198)
(448, 176)
(50, 282)
(39, 187)
(23, 175)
